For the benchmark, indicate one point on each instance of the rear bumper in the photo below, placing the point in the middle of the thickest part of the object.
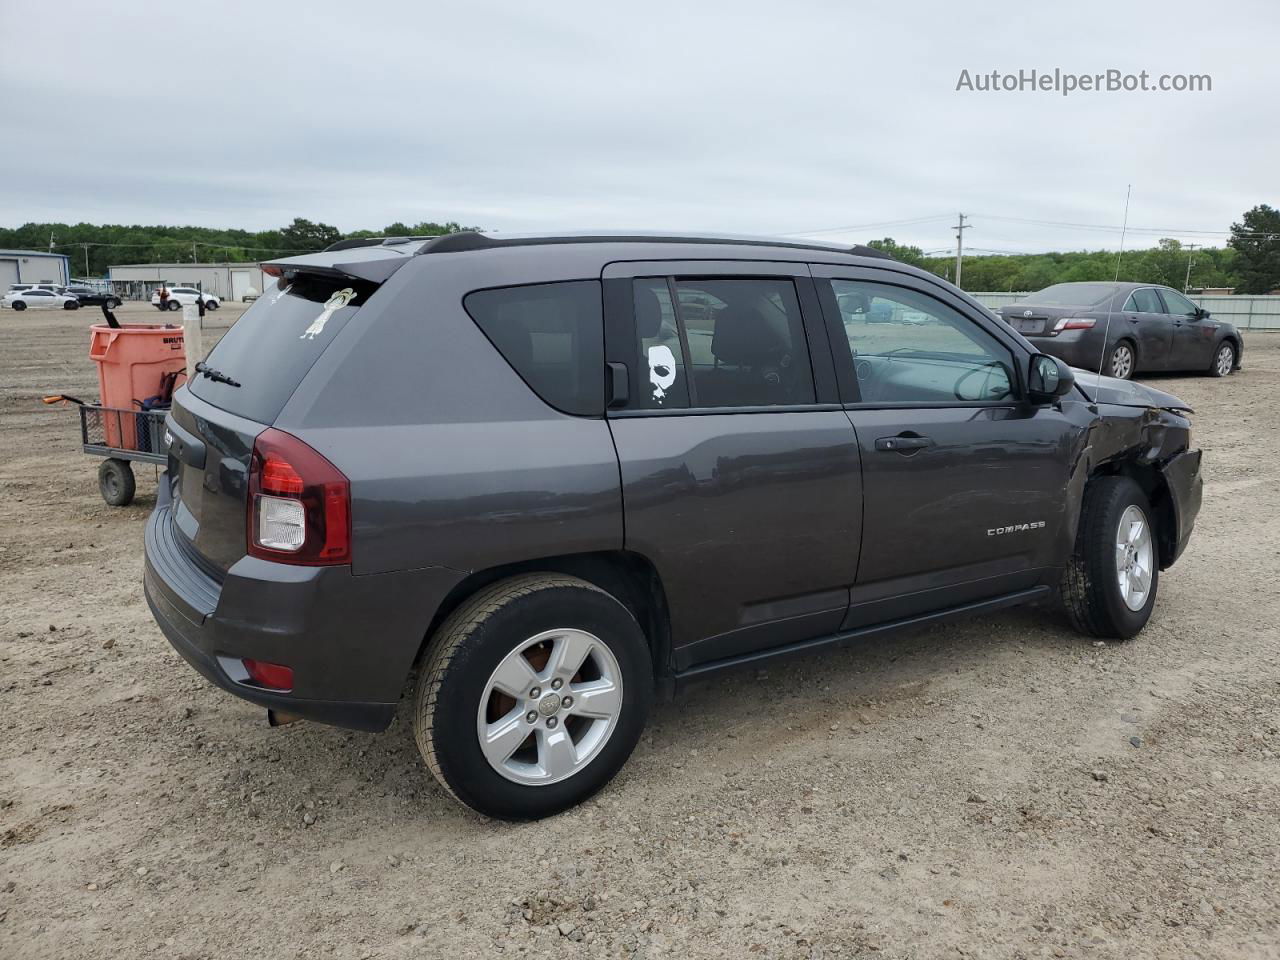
(1076, 348)
(1185, 481)
(351, 641)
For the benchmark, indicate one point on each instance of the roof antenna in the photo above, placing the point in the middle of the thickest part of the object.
(1106, 331)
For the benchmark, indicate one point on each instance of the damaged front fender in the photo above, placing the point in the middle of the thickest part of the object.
(1153, 447)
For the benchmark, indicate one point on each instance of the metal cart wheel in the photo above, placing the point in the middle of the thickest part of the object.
(115, 482)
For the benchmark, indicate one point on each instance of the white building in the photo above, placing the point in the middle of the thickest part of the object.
(229, 281)
(31, 266)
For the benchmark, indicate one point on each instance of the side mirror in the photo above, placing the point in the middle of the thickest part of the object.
(1048, 378)
(1202, 313)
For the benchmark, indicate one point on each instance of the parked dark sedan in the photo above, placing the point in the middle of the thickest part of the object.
(90, 297)
(1134, 327)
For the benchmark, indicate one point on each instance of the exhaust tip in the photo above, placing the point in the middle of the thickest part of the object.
(278, 718)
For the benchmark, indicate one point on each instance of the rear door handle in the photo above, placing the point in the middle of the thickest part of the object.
(903, 444)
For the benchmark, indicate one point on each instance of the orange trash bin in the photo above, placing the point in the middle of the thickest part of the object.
(131, 361)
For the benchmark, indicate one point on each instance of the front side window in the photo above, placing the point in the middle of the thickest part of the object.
(907, 347)
(552, 334)
(1177, 304)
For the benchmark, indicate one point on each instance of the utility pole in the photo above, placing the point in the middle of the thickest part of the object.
(86, 260)
(51, 241)
(193, 251)
(1191, 248)
(959, 228)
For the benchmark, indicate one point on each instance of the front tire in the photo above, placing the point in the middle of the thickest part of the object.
(19, 305)
(1109, 586)
(174, 305)
(532, 696)
(1122, 362)
(1224, 360)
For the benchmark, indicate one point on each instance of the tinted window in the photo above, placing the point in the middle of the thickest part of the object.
(273, 345)
(662, 371)
(553, 335)
(1144, 301)
(746, 344)
(907, 347)
(1073, 294)
(1177, 304)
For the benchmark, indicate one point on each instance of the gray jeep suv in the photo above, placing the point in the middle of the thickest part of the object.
(552, 476)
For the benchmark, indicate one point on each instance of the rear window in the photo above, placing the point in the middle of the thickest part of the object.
(552, 334)
(1072, 294)
(272, 346)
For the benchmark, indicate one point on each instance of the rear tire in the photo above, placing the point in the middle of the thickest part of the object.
(116, 483)
(112, 303)
(1123, 361)
(1224, 359)
(523, 635)
(1109, 586)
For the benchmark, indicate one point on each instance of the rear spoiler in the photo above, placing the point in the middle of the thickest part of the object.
(374, 263)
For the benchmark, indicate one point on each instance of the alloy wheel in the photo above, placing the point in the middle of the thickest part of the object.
(550, 707)
(1225, 358)
(1135, 558)
(1122, 362)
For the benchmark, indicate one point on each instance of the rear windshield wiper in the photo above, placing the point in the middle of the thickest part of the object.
(217, 376)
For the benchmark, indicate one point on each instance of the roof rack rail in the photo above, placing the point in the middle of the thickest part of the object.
(469, 240)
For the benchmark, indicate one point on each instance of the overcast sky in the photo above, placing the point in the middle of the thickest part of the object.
(768, 118)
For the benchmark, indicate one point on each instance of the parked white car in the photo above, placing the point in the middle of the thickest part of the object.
(37, 299)
(182, 296)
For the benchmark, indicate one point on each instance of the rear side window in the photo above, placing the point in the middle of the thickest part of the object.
(1144, 301)
(272, 346)
(552, 334)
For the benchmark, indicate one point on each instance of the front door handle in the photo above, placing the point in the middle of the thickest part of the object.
(903, 443)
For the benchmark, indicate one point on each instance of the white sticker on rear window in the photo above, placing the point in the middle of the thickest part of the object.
(335, 302)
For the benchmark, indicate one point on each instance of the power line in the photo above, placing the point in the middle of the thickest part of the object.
(867, 226)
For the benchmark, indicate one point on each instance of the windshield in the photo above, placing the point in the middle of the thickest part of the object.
(272, 346)
(1073, 294)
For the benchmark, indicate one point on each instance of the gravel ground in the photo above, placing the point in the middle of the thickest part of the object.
(996, 788)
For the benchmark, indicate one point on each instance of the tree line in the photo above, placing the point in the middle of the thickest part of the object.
(95, 247)
(1250, 262)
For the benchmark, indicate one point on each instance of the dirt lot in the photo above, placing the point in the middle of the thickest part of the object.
(1000, 788)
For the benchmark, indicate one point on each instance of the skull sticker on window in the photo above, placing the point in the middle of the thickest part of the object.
(662, 371)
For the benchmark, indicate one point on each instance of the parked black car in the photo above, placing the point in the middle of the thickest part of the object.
(89, 297)
(1126, 328)
(553, 475)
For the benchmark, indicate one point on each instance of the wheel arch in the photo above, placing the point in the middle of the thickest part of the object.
(1233, 338)
(1153, 484)
(629, 577)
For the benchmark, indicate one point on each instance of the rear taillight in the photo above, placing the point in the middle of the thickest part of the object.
(299, 504)
(1073, 323)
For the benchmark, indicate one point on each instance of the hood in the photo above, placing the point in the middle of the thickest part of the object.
(1126, 393)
